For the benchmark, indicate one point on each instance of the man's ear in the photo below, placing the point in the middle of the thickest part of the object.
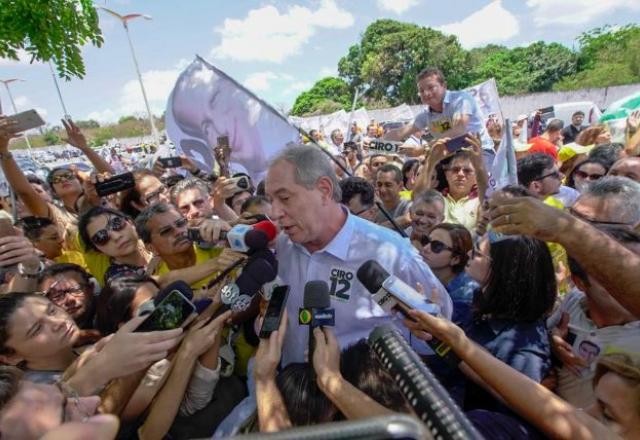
(10, 359)
(325, 186)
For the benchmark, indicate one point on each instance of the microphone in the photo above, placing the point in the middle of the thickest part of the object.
(239, 294)
(392, 294)
(430, 401)
(316, 311)
(245, 238)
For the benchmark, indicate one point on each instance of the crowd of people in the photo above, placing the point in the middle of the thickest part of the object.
(535, 283)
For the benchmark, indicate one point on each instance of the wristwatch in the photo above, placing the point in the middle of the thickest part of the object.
(23, 273)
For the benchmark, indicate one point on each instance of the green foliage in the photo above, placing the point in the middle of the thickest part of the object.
(391, 54)
(327, 93)
(51, 137)
(49, 30)
(607, 57)
(534, 68)
(87, 124)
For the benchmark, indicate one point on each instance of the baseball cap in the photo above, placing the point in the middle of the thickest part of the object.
(570, 150)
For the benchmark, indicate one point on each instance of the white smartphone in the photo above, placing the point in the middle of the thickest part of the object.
(26, 120)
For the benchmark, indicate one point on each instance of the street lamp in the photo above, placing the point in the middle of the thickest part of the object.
(124, 20)
(6, 83)
(55, 82)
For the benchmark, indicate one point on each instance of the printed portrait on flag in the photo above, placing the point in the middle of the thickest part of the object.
(206, 103)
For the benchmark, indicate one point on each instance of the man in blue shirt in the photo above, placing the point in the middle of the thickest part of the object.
(448, 114)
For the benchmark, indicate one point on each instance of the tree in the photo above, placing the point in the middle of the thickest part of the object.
(90, 123)
(49, 30)
(391, 54)
(327, 93)
(607, 57)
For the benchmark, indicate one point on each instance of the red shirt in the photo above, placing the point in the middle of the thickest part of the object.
(541, 145)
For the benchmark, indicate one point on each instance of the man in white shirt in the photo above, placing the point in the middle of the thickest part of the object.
(321, 240)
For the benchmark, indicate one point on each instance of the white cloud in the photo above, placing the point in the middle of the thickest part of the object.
(397, 6)
(297, 87)
(268, 35)
(327, 71)
(491, 24)
(571, 12)
(260, 81)
(158, 85)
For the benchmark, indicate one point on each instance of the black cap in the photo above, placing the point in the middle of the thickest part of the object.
(372, 275)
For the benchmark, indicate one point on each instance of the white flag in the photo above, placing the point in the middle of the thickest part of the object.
(504, 171)
(206, 103)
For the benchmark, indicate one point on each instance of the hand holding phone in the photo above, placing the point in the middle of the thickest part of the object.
(170, 162)
(274, 312)
(25, 121)
(456, 144)
(171, 312)
(115, 184)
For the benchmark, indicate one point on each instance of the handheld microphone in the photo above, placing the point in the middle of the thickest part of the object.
(392, 294)
(430, 401)
(245, 238)
(316, 311)
(255, 274)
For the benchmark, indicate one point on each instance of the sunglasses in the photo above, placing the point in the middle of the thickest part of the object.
(178, 224)
(436, 245)
(33, 222)
(586, 176)
(475, 249)
(62, 177)
(555, 174)
(102, 237)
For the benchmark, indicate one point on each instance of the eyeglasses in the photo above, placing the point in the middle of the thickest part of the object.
(555, 174)
(585, 176)
(178, 224)
(475, 250)
(155, 195)
(436, 245)
(62, 177)
(33, 222)
(57, 296)
(456, 170)
(593, 221)
(114, 223)
(362, 211)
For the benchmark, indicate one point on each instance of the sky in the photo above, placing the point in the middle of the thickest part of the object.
(275, 48)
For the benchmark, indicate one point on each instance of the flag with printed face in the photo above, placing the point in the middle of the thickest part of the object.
(487, 98)
(504, 170)
(206, 104)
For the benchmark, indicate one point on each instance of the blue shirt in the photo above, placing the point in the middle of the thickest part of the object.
(456, 103)
(356, 314)
(461, 290)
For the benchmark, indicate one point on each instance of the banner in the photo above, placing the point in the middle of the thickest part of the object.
(504, 170)
(487, 98)
(207, 103)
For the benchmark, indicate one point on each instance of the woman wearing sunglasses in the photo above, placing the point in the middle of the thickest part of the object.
(586, 172)
(445, 250)
(112, 244)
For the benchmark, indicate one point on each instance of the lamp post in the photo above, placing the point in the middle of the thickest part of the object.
(6, 83)
(55, 82)
(124, 19)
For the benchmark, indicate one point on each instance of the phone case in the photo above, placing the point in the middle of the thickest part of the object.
(26, 120)
(115, 184)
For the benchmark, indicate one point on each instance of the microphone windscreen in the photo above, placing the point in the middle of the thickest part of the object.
(316, 295)
(256, 273)
(256, 239)
(372, 275)
(268, 228)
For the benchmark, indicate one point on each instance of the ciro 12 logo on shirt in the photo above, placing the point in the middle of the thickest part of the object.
(340, 282)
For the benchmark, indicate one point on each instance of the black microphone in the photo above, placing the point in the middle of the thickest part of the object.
(392, 294)
(316, 310)
(239, 294)
(430, 401)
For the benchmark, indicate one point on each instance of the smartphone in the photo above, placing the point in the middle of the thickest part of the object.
(170, 162)
(242, 183)
(26, 120)
(274, 312)
(171, 312)
(456, 143)
(115, 184)
(194, 235)
(547, 113)
(223, 141)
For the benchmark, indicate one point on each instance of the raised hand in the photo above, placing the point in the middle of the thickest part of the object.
(74, 137)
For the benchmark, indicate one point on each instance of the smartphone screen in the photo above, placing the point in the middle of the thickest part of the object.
(456, 143)
(276, 307)
(170, 162)
(171, 313)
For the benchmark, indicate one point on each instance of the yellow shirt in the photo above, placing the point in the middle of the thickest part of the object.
(406, 194)
(463, 212)
(71, 257)
(558, 253)
(202, 255)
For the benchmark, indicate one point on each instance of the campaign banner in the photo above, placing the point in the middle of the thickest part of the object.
(206, 103)
(487, 98)
(384, 147)
(504, 170)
